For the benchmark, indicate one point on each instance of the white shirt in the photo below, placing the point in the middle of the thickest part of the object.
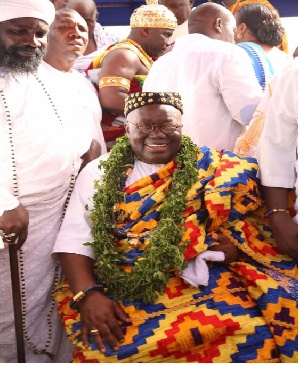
(277, 146)
(47, 154)
(217, 84)
(179, 31)
(76, 100)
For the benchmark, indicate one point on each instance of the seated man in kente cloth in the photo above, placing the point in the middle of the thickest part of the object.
(167, 254)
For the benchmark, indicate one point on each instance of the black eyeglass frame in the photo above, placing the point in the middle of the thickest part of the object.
(160, 127)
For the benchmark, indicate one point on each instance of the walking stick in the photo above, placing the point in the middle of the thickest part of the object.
(16, 293)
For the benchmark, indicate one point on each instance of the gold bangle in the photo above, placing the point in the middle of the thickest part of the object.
(272, 211)
(114, 81)
(82, 293)
(78, 296)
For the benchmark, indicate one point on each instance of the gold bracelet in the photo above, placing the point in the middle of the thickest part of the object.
(272, 211)
(78, 296)
(114, 81)
(82, 293)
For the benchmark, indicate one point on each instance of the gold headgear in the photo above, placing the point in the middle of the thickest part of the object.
(142, 98)
(153, 15)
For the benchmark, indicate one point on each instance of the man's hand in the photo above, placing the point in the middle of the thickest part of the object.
(15, 221)
(286, 233)
(102, 316)
(230, 250)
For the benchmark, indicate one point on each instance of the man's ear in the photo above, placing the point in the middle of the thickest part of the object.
(218, 25)
(126, 128)
(145, 32)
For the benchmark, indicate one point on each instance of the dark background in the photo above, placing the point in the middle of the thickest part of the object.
(118, 12)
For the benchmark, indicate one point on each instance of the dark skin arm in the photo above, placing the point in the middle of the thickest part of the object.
(118, 63)
(284, 228)
(93, 152)
(97, 311)
(230, 250)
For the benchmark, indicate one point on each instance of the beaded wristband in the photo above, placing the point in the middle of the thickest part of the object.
(271, 211)
(80, 295)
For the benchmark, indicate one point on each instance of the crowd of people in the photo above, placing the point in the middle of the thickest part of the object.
(148, 185)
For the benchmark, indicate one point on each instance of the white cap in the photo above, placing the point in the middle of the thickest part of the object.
(39, 9)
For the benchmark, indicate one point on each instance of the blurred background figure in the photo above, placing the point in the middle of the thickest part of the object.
(214, 77)
(99, 38)
(277, 154)
(235, 5)
(122, 68)
(59, 4)
(259, 32)
(182, 10)
(75, 97)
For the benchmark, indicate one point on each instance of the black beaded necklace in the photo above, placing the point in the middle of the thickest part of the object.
(20, 252)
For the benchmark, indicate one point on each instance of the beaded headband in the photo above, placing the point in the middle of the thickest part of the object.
(136, 100)
(153, 15)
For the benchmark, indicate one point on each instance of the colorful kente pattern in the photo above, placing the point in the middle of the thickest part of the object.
(248, 311)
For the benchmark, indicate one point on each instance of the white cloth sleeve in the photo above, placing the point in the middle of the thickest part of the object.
(76, 228)
(7, 201)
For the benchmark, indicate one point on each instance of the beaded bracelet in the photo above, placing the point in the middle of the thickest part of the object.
(271, 211)
(80, 295)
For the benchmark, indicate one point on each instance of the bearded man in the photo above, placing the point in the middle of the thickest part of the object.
(40, 156)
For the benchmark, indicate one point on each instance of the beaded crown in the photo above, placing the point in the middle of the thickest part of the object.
(142, 98)
(153, 15)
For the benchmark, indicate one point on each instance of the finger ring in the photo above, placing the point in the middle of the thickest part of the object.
(94, 332)
(9, 237)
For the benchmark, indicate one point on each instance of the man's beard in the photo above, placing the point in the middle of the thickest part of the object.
(12, 62)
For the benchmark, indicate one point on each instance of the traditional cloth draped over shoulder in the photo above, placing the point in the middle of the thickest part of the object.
(40, 9)
(113, 125)
(248, 310)
(261, 64)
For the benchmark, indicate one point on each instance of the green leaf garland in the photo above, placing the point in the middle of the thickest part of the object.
(151, 272)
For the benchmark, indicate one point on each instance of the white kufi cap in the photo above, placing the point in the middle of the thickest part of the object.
(40, 9)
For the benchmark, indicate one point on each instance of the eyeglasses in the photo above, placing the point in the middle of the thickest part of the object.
(147, 128)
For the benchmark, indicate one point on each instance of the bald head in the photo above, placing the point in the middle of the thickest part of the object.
(82, 4)
(88, 10)
(180, 8)
(214, 21)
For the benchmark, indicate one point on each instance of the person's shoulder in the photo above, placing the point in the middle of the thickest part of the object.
(92, 168)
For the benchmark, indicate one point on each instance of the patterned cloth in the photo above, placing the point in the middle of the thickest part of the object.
(261, 64)
(248, 310)
(112, 124)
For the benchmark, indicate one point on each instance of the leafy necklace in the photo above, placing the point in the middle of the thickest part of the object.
(165, 252)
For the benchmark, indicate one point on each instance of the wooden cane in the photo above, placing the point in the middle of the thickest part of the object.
(17, 302)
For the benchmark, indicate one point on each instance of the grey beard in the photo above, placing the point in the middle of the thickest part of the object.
(12, 62)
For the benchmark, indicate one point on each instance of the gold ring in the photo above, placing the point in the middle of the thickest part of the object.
(9, 237)
(94, 332)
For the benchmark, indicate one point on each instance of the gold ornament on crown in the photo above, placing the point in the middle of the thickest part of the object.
(153, 15)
